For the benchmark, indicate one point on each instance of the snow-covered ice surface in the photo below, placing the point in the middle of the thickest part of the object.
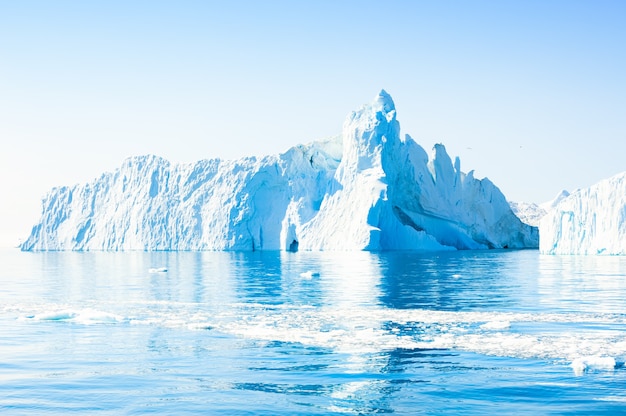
(528, 212)
(589, 221)
(367, 189)
(531, 213)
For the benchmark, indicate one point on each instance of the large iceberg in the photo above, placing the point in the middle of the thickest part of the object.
(367, 189)
(589, 221)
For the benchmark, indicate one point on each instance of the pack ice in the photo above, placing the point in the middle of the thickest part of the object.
(589, 221)
(367, 189)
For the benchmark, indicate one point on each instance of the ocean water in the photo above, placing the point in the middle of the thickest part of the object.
(270, 333)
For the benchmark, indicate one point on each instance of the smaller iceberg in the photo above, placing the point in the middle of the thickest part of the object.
(589, 221)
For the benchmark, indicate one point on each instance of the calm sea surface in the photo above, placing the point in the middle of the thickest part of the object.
(269, 333)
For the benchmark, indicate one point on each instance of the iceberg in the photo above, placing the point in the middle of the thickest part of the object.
(366, 189)
(589, 221)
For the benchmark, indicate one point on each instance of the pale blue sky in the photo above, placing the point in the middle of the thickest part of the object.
(531, 94)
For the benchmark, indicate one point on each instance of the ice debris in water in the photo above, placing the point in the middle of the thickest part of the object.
(157, 270)
(582, 364)
(496, 325)
(309, 274)
(53, 316)
(85, 316)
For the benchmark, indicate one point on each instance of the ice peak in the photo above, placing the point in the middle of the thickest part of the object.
(381, 108)
(367, 131)
(384, 102)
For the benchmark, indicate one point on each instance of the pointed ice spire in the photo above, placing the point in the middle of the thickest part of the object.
(367, 131)
(384, 102)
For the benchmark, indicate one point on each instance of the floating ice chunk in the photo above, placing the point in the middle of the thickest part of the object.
(309, 274)
(157, 270)
(582, 364)
(85, 316)
(496, 325)
(54, 316)
(92, 316)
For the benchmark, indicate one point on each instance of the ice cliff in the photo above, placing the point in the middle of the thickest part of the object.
(589, 221)
(367, 189)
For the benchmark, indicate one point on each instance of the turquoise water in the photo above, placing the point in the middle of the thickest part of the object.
(269, 333)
